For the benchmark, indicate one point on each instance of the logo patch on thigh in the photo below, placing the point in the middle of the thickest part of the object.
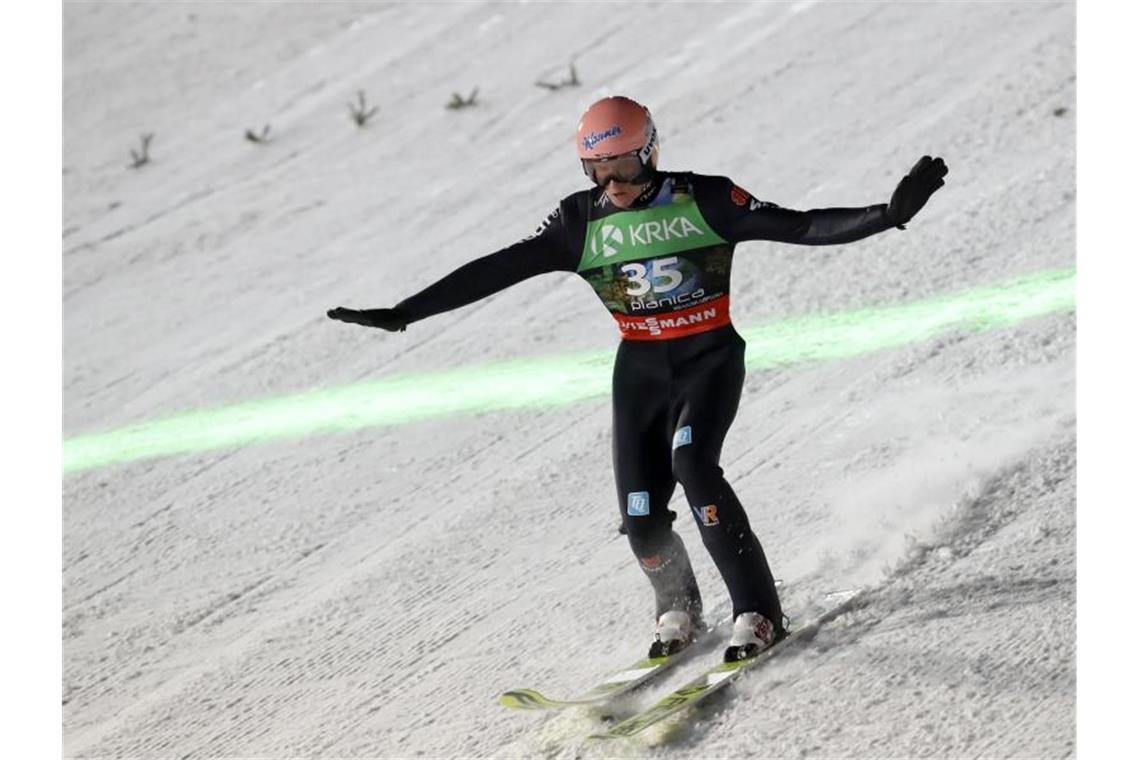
(707, 515)
(683, 437)
(637, 504)
(654, 564)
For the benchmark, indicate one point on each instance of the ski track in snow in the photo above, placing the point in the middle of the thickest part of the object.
(369, 594)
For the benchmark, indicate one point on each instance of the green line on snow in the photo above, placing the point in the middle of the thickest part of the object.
(556, 380)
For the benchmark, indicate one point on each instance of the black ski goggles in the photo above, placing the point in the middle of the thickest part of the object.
(628, 168)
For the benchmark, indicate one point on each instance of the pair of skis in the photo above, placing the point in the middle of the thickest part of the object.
(711, 681)
(612, 686)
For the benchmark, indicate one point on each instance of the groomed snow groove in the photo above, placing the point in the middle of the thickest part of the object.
(368, 594)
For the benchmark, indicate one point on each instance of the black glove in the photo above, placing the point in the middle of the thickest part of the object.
(915, 190)
(392, 320)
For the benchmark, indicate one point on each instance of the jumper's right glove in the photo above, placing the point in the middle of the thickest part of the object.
(392, 320)
(915, 190)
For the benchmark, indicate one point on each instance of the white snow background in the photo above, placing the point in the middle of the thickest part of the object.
(368, 594)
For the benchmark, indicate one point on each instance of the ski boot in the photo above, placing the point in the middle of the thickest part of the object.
(752, 633)
(676, 629)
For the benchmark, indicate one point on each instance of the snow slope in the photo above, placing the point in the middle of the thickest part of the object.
(369, 593)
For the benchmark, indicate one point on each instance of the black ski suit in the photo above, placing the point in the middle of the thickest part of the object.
(662, 268)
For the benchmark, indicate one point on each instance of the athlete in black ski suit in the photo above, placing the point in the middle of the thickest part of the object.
(662, 267)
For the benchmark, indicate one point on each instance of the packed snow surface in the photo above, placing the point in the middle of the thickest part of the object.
(369, 593)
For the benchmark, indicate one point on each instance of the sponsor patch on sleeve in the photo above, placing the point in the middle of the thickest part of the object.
(550, 219)
(742, 197)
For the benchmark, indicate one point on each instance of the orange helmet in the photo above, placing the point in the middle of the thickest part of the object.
(614, 127)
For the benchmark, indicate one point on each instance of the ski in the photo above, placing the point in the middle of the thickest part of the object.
(620, 682)
(719, 676)
(625, 680)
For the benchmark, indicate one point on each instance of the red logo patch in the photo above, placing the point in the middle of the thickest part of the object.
(650, 563)
(764, 630)
(739, 195)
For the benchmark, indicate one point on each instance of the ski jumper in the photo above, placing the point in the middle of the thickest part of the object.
(662, 269)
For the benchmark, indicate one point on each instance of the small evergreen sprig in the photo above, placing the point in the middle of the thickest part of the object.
(457, 100)
(141, 157)
(360, 111)
(571, 82)
(259, 138)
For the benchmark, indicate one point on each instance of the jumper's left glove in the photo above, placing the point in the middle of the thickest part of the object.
(915, 190)
(392, 320)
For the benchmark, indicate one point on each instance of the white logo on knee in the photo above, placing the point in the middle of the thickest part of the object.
(637, 504)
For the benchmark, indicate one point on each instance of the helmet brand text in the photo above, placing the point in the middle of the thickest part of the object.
(592, 139)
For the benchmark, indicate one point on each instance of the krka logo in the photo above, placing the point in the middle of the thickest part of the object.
(605, 239)
(610, 239)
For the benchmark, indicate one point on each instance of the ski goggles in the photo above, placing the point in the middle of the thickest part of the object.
(628, 168)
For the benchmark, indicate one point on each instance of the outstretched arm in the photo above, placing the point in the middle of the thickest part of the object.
(738, 216)
(544, 251)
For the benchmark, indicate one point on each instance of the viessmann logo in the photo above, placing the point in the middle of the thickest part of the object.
(606, 240)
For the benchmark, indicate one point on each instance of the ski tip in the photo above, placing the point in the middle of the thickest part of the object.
(526, 699)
